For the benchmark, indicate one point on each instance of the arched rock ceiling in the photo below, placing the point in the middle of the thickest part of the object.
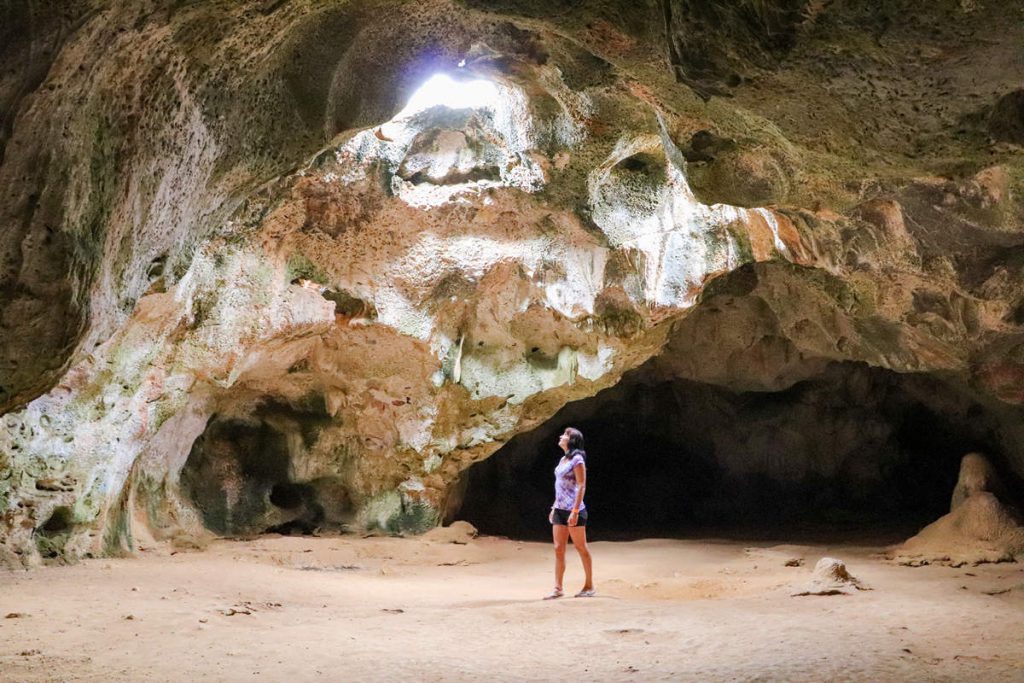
(205, 211)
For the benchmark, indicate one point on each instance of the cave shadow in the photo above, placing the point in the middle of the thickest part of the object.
(241, 474)
(857, 454)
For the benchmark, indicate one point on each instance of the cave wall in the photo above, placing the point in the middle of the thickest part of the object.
(132, 131)
(209, 213)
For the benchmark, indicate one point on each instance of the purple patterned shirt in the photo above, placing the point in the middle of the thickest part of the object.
(565, 481)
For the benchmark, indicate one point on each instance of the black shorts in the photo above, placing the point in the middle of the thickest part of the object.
(561, 517)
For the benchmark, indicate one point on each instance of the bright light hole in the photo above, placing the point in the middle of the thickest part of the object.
(442, 89)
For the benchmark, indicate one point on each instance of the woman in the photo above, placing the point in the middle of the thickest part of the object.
(568, 515)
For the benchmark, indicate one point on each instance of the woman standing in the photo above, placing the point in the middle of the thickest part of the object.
(568, 515)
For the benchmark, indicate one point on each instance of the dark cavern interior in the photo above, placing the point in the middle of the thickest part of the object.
(850, 450)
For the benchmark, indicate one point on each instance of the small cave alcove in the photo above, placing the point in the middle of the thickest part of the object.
(855, 452)
(241, 474)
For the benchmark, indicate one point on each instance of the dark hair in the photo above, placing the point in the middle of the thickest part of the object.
(575, 440)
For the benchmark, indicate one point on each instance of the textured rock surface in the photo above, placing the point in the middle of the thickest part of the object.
(243, 289)
(980, 527)
(831, 578)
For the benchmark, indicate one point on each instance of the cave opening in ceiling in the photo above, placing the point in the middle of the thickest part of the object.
(854, 450)
(460, 134)
(442, 89)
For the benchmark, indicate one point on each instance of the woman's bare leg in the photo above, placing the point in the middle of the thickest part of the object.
(560, 534)
(579, 539)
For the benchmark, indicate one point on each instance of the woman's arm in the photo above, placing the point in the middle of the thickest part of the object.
(580, 470)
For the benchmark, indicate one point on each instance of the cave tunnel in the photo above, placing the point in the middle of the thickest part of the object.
(856, 451)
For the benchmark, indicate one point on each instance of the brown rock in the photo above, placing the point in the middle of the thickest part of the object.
(976, 476)
(831, 578)
(459, 532)
(979, 528)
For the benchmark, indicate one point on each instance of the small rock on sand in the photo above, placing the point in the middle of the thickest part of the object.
(458, 532)
(831, 578)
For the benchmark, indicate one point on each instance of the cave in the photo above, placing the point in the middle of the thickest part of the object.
(854, 451)
(360, 321)
(245, 476)
(295, 298)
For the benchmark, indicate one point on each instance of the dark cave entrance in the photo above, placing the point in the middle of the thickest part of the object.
(244, 476)
(855, 451)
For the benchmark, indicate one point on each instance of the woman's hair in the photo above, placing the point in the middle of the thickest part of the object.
(575, 439)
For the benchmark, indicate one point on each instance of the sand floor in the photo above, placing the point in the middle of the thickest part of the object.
(383, 609)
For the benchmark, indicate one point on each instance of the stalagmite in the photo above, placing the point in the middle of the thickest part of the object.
(979, 528)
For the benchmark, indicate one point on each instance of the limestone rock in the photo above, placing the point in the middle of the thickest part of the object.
(457, 532)
(887, 237)
(1006, 122)
(451, 155)
(976, 476)
(831, 578)
(706, 146)
(744, 177)
(979, 528)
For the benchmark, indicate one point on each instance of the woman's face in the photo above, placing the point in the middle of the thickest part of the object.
(563, 441)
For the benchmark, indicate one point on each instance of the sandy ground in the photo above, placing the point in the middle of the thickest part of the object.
(383, 609)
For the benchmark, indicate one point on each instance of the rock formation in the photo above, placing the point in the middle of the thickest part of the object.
(244, 286)
(831, 578)
(980, 526)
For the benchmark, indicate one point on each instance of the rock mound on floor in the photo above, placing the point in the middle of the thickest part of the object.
(831, 578)
(457, 532)
(979, 528)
